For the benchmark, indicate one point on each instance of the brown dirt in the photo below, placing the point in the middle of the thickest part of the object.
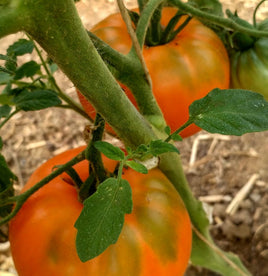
(217, 167)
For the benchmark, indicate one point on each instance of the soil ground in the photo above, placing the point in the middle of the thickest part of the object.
(217, 166)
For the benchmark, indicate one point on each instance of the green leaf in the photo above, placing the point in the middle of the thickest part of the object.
(53, 68)
(10, 64)
(205, 256)
(1, 143)
(3, 69)
(142, 149)
(167, 130)
(101, 220)
(6, 99)
(6, 185)
(158, 147)
(28, 69)
(137, 166)
(4, 111)
(4, 57)
(176, 137)
(36, 100)
(230, 112)
(210, 6)
(109, 150)
(5, 77)
(21, 47)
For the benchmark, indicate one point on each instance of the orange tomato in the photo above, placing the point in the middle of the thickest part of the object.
(182, 70)
(155, 240)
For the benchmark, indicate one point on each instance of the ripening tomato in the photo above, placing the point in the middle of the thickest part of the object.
(249, 64)
(155, 240)
(182, 70)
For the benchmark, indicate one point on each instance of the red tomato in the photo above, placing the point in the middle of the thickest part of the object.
(155, 240)
(182, 70)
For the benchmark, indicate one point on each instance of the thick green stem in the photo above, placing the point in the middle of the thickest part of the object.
(9, 21)
(220, 21)
(60, 37)
(119, 64)
(74, 105)
(92, 154)
(170, 165)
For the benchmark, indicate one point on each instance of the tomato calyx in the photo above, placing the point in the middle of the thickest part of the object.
(242, 42)
(157, 34)
(237, 40)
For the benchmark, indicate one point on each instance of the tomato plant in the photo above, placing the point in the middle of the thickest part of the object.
(182, 70)
(249, 63)
(155, 240)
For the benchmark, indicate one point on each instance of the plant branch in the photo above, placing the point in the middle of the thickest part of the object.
(219, 252)
(124, 67)
(220, 21)
(94, 155)
(8, 117)
(136, 45)
(72, 104)
(59, 37)
(145, 18)
(255, 13)
(20, 199)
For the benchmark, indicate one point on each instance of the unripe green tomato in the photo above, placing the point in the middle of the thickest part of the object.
(249, 67)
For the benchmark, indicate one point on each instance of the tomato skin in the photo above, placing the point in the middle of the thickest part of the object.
(155, 240)
(249, 68)
(182, 71)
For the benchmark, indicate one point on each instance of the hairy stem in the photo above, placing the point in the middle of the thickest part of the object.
(220, 21)
(136, 46)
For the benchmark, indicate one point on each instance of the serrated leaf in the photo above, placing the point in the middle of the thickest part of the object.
(3, 69)
(28, 69)
(109, 150)
(142, 149)
(158, 147)
(6, 99)
(21, 47)
(6, 175)
(137, 166)
(230, 112)
(36, 100)
(11, 62)
(167, 130)
(5, 77)
(7, 90)
(4, 110)
(101, 220)
(176, 137)
(4, 57)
